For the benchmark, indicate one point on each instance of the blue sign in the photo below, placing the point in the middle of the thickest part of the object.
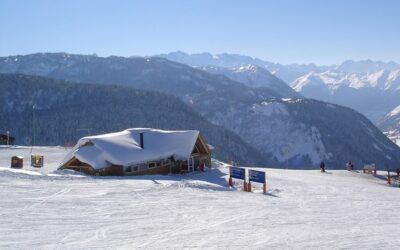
(256, 176)
(238, 173)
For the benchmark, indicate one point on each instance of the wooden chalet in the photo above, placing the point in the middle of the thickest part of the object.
(139, 151)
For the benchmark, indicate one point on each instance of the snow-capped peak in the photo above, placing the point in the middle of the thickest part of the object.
(246, 68)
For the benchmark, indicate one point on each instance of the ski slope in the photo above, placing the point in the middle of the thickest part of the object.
(49, 209)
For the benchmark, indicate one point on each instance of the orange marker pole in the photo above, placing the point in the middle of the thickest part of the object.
(230, 181)
(245, 186)
(249, 187)
(265, 188)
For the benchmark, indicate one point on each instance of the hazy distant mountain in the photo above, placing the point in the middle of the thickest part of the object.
(287, 73)
(301, 132)
(64, 112)
(206, 59)
(391, 125)
(366, 66)
(254, 76)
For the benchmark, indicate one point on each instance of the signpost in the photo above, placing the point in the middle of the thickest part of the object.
(257, 176)
(253, 175)
(237, 173)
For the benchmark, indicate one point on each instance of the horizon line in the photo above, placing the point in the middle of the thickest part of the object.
(212, 54)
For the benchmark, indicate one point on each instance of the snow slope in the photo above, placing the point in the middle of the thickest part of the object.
(390, 124)
(303, 209)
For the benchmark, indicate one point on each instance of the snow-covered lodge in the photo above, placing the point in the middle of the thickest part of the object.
(139, 151)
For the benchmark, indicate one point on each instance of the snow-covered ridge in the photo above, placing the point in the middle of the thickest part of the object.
(246, 68)
(383, 80)
(395, 111)
(253, 76)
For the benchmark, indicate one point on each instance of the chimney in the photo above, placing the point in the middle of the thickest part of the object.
(141, 140)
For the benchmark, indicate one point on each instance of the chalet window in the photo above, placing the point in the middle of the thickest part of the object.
(143, 166)
(158, 163)
(152, 165)
(135, 168)
(128, 169)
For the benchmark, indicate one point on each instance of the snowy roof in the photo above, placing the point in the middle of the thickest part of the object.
(123, 148)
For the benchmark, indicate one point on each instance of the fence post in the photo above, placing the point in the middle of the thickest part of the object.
(389, 177)
(230, 181)
(249, 187)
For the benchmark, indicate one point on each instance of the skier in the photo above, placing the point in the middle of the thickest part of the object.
(350, 166)
(322, 166)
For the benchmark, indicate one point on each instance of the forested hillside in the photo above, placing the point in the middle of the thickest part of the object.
(64, 112)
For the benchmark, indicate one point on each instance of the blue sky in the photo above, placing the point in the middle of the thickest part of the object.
(296, 31)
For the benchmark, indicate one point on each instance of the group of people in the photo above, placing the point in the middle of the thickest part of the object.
(349, 166)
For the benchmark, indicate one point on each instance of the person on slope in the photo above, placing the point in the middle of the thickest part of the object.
(350, 166)
(322, 166)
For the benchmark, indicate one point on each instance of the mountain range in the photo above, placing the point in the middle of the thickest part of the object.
(253, 76)
(374, 93)
(287, 129)
(370, 87)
